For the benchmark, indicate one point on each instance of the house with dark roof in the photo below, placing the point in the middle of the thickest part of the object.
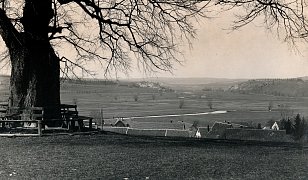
(222, 130)
(218, 130)
(157, 125)
(117, 122)
(204, 131)
(126, 122)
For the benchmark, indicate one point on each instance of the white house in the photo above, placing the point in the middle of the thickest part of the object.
(275, 126)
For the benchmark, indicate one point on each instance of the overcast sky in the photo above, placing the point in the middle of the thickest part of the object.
(251, 52)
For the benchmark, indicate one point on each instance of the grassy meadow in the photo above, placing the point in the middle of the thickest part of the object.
(119, 156)
(109, 156)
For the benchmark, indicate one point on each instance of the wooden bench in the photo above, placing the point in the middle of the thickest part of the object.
(3, 108)
(25, 117)
(70, 116)
(33, 117)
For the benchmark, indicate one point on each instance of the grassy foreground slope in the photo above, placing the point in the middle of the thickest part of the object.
(118, 157)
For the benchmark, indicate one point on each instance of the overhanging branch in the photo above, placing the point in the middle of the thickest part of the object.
(9, 34)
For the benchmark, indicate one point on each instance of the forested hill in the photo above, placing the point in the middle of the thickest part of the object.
(277, 87)
(80, 83)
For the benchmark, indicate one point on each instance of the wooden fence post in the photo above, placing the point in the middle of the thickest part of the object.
(102, 118)
(90, 124)
(39, 127)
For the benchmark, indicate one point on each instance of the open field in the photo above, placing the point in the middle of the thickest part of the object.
(118, 157)
(125, 99)
(119, 101)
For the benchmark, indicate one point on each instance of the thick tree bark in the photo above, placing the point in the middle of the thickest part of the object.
(35, 67)
(35, 78)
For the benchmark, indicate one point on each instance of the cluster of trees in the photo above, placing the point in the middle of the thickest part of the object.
(71, 82)
(296, 126)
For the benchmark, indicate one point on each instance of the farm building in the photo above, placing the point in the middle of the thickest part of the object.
(198, 134)
(218, 130)
(238, 132)
(275, 126)
(149, 132)
(130, 127)
(235, 125)
(157, 125)
(117, 122)
(145, 125)
(110, 122)
(203, 131)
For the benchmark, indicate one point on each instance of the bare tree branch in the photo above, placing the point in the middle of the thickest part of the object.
(115, 33)
(8, 33)
(289, 17)
(148, 29)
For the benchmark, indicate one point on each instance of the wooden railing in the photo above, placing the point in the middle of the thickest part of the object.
(16, 115)
(35, 115)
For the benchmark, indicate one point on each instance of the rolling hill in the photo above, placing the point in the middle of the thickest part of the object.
(193, 84)
(296, 87)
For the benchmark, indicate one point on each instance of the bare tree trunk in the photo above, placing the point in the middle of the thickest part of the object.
(35, 67)
(35, 79)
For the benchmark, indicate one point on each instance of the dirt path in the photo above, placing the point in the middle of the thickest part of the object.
(177, 115)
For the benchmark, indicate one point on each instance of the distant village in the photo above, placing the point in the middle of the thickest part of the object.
(219, 130)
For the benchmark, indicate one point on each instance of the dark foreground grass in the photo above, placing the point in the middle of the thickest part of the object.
(117, 157)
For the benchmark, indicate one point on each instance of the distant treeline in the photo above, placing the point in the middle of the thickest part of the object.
(277, 87)
(88, 81)
(82, 86)
(277, 79)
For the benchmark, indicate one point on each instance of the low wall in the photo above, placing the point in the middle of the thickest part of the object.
(149, 132)
(119, 130)
(257, 135)
(146, 132)
(156, 125)
(177, 133)
(229, 133)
